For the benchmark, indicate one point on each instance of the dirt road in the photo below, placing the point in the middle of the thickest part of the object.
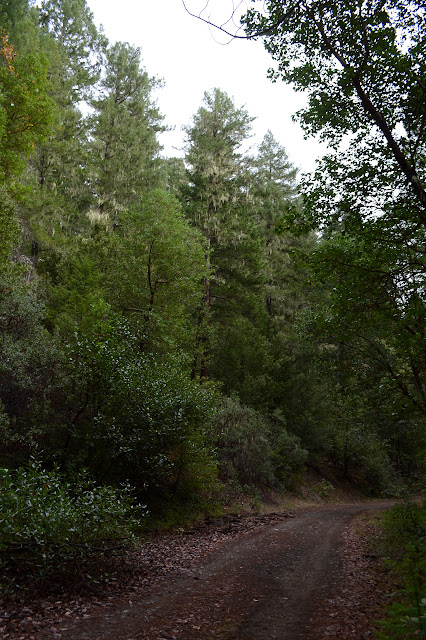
(266, 583)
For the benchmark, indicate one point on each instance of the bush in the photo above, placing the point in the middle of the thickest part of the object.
(50, 525)
(139, 418)
(243, 447)
(31, 374)
(358, 453)
(288, 457)
(253, 449)
(404, 545)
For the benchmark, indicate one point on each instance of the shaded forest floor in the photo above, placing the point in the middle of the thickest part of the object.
(308, 573)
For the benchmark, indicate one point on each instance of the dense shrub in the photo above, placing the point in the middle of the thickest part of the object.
(50, 525)
(138, 418)
(253, 449)
(99, 402)
(31, 367)
(288, 456)
(404, 546)
(358, 453)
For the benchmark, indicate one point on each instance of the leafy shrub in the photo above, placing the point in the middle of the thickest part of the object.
(288, 456)
(139, 418)
(49, 524)
(253, 449)
(243, 447)
(323, 489)
(405, 549)
(31, 366)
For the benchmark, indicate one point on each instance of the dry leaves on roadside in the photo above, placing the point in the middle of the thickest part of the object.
(37, 616)
(362, 591)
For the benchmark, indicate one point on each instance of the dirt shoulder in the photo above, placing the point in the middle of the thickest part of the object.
(363, 590)
(291, 575)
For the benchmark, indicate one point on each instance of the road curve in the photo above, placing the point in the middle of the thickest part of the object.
(264, 585)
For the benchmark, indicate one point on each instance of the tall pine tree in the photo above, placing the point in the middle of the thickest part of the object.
(125, 159)
(217, 200)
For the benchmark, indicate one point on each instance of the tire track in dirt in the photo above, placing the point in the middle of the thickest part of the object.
(265, 584)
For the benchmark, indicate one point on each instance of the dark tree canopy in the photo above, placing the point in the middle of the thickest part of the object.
(363, 66)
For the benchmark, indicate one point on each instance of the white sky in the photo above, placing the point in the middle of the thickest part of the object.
(187, 55)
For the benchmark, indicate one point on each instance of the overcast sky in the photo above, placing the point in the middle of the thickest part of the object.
(191, 59)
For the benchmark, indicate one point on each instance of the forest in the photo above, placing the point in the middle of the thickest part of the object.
(176, 332)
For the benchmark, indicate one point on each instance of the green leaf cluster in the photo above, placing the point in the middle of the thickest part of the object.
(404, 548)
(49, 524)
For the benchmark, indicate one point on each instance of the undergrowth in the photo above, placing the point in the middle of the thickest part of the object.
(51, 526)
(404, 548)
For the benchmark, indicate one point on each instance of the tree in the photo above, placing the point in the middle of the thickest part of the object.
(215, 201)
(79, 43)
(26, 109)
(136, 418)
(30, 371)
(25, 120)
(153, 270)
(213, 153)
(125, 150)
(11, 13)
(74, 48)
(275, 192)
(363, 66)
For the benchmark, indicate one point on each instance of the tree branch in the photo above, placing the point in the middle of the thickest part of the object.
(234, 36)
(398, 154)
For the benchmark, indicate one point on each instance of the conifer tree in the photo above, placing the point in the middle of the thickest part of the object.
(275, 192)
(25, 119)
(73, 46)
(215, 200)
(124, 150)
(71, 24)
(11, 14)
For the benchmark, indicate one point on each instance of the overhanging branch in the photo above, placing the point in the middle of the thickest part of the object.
(234, 36)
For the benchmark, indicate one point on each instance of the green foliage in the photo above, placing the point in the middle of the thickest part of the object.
(124, 150)
(117, 300)
(76, 300)
(274, 192)
(26, 114)
(358, 453)
(362, 68)
(253, 450)
(69, 23)
(214, 140)
(11, 13)
(404, 546)
(289, 457)
(158, 272)
(9, 225)
(73, 46)
(242, 438)
(30, 371)
(26, 110)
(374, 309)
(242, 360)
(220, 200)
(137, 418)
(344, 56)
(216, 191)
(323, 488)
(50, 525)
